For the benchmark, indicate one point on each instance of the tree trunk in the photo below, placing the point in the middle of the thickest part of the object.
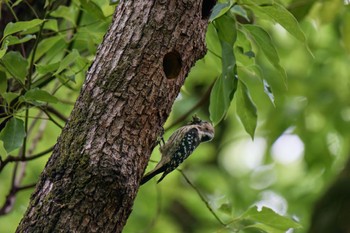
(91, 179)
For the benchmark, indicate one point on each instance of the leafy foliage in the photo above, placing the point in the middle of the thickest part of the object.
(13, 134)
(227, 20)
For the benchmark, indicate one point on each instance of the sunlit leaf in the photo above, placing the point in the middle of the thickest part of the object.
(92, 9)
(282, 16)
(3, 48)
(3, 152)
(51, 24)
(46, 45)
(9, 96)
(12, 40)
(13, 134)
(16, 65)
(212, 41)
(220, 97)
(238, 10)
(226, 29)
(68, 13)
(225, 86)
(263, 41)
(20, 26)
(268, 217)
(252, 76)
(227, 33)
(264, 228)
(47, 68)
(219, 10)
(39, 95)
(244, 43)
(246, 109)
(67, 61)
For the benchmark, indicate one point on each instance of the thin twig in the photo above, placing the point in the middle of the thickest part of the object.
(57, 113)
(51, 118)
(11, 197)
(11, 158)
(202, 198)
(24, 187)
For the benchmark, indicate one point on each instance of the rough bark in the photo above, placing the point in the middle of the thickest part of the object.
(91, 179)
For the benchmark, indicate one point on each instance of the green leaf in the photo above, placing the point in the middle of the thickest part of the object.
(219, 10)
(16, 65)
(68, 13)
(3, 152)
(238, 10)
(51, 24)
(212, 40)
(221, 97)
(227, 33)
(244, 43)
(9, 96)
(47, 45)
(228, 60)
(264, 228)
(252, 76)
(92, 9)
(12, 40)
(4, 48)
(47, 68)
(270, 218)
(13, 134)
(263, 40)
(246, 109)
(67, 61)
(39, 95)
(226, 29)
(225, 86)
(12, 28)
(282, 16)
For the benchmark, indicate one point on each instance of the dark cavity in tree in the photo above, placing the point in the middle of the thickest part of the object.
(207, 6)
(172, 64)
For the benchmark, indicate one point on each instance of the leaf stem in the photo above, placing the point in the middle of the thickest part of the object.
(202, 198)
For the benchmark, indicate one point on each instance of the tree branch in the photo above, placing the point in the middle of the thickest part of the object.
(202, 198)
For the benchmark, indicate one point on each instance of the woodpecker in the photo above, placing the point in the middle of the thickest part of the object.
(180, 145)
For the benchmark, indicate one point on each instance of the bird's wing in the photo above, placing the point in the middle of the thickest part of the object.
(185, 147)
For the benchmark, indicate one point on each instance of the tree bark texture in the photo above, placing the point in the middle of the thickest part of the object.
(91, 179)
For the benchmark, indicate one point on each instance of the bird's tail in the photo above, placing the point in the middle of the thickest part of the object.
(151, 174)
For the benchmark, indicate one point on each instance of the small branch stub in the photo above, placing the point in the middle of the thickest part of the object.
(172, 64)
